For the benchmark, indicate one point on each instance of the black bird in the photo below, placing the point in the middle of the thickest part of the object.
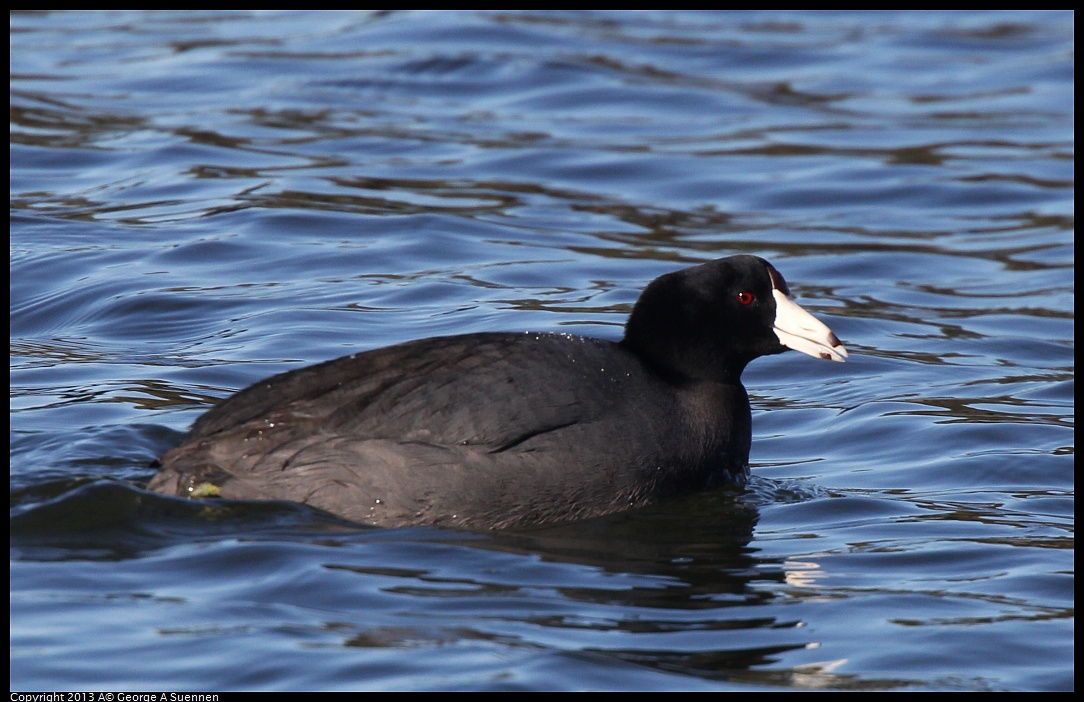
(496, 430)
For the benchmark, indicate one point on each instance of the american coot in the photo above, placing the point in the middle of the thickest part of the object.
(497, 430)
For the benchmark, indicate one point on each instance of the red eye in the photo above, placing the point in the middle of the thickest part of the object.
(745, 297)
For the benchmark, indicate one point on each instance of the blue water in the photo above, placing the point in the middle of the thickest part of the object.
(202, 199)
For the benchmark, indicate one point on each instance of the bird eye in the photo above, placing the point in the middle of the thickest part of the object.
(745, 297)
